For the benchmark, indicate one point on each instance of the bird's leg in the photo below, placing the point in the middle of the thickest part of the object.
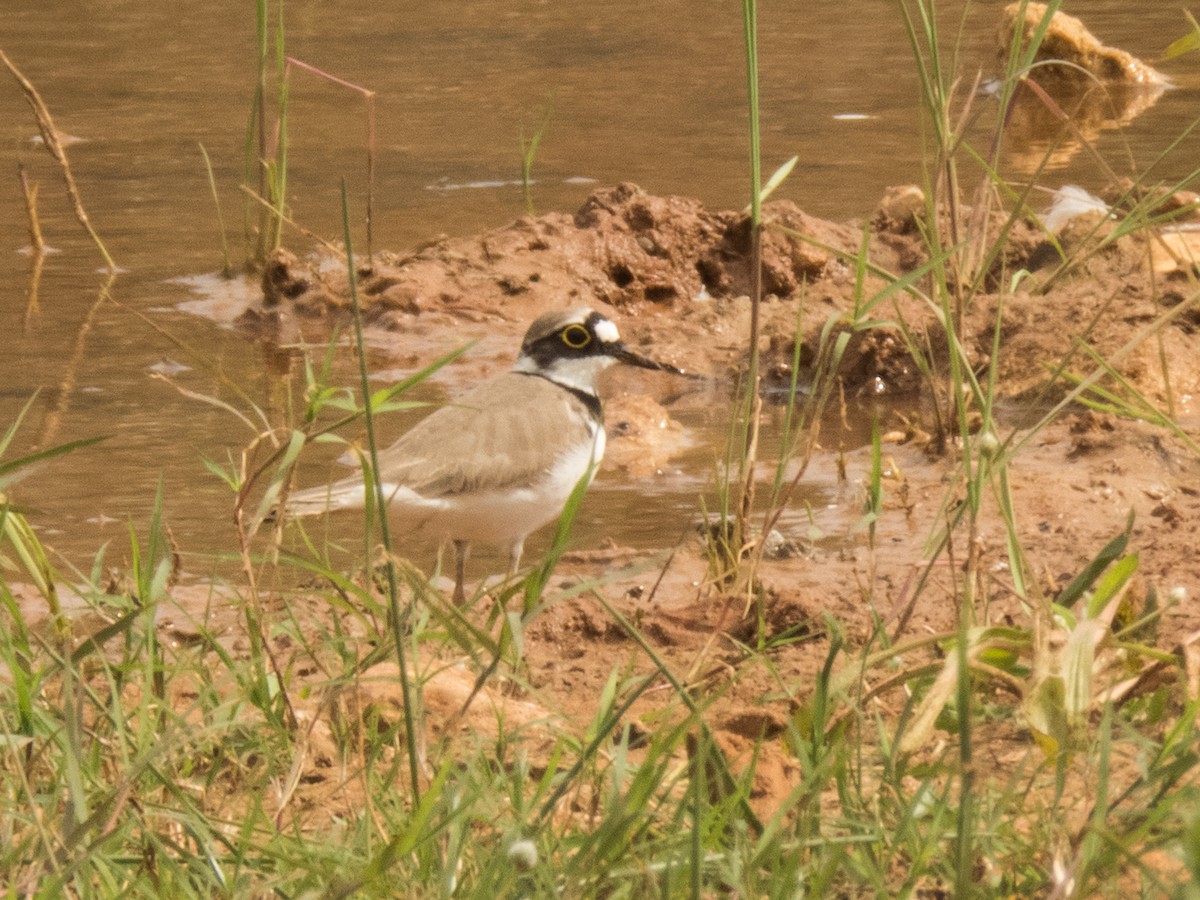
(514, 558)
(460, 571)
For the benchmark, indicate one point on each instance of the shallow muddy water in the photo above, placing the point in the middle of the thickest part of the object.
(650, 93)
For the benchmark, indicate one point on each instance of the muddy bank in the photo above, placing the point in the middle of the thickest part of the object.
(676, 275)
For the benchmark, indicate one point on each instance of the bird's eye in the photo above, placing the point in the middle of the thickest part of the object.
(576, 336)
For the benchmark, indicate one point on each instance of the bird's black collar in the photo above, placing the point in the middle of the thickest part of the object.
(588, 399)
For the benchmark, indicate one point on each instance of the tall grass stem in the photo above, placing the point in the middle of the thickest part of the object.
(752, 406)
(397, 618)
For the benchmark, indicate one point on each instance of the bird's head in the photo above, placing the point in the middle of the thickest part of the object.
(573, 346)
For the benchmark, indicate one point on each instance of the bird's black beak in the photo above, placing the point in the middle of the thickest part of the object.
(625, 355)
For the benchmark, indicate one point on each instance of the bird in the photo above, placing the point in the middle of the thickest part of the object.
(500, 460)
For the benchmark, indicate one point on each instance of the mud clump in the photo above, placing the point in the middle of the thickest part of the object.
(624, 249)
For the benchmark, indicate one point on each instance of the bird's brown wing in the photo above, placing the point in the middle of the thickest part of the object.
(504, 433)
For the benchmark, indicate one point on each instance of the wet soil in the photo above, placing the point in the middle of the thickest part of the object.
(675, 276)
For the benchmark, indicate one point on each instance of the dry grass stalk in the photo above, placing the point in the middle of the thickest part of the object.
(55, 148)
(29, 192)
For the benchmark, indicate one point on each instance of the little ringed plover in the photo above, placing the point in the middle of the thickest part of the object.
(500, 461)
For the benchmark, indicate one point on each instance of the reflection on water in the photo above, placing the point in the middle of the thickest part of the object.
(1037, 130)
(651, 93)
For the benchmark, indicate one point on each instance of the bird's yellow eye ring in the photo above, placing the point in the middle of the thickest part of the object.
(576, 336)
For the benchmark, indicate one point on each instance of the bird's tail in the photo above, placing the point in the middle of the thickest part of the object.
(345, 494)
